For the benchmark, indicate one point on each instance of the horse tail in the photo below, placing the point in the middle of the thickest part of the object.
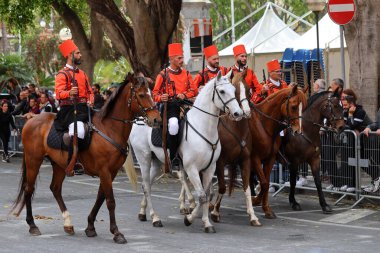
(232, 174)
(130, 169)
(19, 203)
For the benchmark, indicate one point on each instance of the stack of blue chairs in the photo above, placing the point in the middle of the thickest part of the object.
(312, 66)
(286, 65)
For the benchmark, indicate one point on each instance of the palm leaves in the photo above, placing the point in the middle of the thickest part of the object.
(14, 66)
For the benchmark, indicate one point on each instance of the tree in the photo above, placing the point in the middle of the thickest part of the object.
(4, 38)
(362, 36)
(140, 33)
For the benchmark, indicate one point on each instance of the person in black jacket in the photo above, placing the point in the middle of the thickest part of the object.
(6, 120)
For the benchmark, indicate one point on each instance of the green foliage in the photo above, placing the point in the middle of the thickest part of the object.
(107, 72)
(13, 65)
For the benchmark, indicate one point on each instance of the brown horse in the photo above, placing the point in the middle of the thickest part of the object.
(265, 133)
(267, 120)
(104, 157)
(307, 146)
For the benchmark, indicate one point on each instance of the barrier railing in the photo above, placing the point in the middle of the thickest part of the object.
(15, 145)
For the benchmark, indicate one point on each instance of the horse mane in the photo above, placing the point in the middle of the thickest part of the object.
(110, 103)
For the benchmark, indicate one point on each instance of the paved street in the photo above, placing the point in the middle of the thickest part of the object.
(307, 231)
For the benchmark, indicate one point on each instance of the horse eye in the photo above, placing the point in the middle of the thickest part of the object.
(141, 95)
(294, 108)
(222, 92)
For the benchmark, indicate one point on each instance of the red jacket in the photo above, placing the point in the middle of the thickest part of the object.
(207, 75)
(250, 78)
(175, 83)
(63, 82)
(258, 97)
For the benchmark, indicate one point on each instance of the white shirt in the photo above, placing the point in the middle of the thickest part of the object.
(276, 83)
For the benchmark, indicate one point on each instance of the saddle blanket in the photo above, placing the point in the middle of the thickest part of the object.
(55, 140)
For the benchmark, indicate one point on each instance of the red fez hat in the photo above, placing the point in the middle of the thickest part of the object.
(273, 65)
(239, 49)
(210, 51)
(175, 49)
(67, 47)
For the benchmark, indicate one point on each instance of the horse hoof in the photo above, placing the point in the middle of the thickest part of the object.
(327, 209)
(69, 230)
(34, 231)
(296, 207)
(184, 211)
(271, 215)
(215, 218)
(210, 229)
(157, 224)
(255, 223)
(119, 239)
(142, 217)
(186, 221)
(90, 232)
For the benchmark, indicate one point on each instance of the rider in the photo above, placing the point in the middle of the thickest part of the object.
(240, 55)
(65, 92)
(212, 68)
(173, 84)
(273, 84)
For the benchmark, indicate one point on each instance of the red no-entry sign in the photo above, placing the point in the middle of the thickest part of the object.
(341, 11)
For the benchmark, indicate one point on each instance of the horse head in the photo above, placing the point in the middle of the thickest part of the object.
(242, 91)
(141, 102)
(293, 107)
(332, 110)
(224, 96)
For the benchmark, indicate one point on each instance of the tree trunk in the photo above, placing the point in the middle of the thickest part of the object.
(362, 36)
(90, 47)
(4, 38)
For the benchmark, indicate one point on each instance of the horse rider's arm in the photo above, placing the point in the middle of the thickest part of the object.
(158, 88)
(60, 87)
(90, 93)
(198, 80)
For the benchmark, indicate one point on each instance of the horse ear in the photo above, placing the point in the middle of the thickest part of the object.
(244, 74)
(219, 75)
(294, 89)
(306, 88)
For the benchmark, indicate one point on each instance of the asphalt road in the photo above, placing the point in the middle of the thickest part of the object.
(308, 231)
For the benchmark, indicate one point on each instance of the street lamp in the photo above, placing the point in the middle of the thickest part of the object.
(316, 6)
(65, 34)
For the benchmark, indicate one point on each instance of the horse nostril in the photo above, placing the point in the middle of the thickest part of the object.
(236, 114)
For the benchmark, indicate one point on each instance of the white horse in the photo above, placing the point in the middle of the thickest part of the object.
(199, 148)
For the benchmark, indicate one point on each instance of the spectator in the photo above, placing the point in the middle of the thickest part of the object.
(98, 98)
(336, 84)
(113, 87)
(6, 120)
(106, 95)
(32, 90)
(373, 155)
(14, 89)
(22, 106)
(319, 86)
(33, 108)
(45, 105)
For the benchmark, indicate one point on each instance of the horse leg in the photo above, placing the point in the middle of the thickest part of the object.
(145, 165)
(315, 169)
(207, 183)
(264, 183)
(56, 189)
(32, 168)
(185, 190)
(293, 177)
(90, 230)
(155, 168)
(106, 184)
(245, 175)
(269, 214)
(215, 213)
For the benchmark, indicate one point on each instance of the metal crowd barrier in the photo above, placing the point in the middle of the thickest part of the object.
(351, 160)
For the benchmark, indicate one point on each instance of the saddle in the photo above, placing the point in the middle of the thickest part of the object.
(61, 140)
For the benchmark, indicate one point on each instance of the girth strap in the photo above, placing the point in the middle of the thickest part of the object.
(123, 151)
(242, 143)
(213, 146)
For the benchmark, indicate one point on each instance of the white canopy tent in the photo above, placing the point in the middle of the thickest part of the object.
(270, 34)
(328, 36)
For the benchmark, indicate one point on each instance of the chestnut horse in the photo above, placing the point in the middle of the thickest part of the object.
(104, 157)
(281, 109)
(307, 146)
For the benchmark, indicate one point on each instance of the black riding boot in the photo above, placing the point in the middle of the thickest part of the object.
(78, 170)
(173, 144)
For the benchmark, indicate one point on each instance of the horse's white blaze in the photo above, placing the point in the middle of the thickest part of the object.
(246, 108)
(300, 115)
(67, 219)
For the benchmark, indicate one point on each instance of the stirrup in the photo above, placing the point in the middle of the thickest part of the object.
(78, 169)
(175, 164)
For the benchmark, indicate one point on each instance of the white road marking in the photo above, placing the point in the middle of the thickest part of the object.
(348, 216)
(242, 210)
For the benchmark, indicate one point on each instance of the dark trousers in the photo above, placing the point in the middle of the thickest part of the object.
(173, 110)
(4, 136)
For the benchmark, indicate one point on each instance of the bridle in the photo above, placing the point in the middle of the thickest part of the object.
(225, 104)
(333, 118)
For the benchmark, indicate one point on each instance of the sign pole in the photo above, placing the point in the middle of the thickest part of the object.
(342, 62)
